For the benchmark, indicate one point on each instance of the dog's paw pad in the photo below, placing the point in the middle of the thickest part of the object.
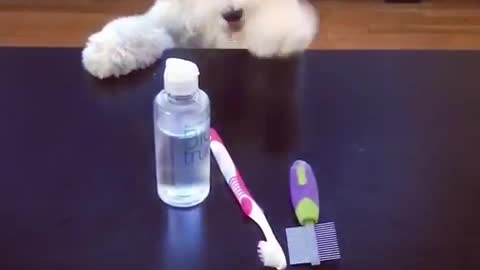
(103, 56)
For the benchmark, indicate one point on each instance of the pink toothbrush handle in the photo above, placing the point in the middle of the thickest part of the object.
(231, 174)
(242, 194)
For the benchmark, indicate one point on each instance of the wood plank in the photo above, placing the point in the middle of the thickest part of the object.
(347, 24)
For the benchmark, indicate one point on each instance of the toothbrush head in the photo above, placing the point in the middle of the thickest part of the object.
(271, 255)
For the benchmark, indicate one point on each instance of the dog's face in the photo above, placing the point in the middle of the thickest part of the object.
(230, 11)
(265, 27)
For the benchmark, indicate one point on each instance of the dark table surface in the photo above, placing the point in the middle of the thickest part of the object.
(393, 137)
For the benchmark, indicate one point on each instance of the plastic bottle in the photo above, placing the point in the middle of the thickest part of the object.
(182, 136)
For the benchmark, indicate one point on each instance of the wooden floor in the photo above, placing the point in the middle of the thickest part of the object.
(345, 24)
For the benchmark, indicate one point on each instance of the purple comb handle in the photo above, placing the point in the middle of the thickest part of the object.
(304, 192)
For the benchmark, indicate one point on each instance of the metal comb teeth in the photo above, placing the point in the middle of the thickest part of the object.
(312, 243)
(327, 243)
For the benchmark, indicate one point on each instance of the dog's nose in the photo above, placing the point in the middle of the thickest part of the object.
(233, 15)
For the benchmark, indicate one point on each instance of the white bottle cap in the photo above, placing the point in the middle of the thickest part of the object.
(180, 77)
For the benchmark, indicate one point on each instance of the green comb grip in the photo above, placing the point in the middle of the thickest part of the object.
(307, 212)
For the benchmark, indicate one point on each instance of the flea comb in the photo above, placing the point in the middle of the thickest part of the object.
(312, 242)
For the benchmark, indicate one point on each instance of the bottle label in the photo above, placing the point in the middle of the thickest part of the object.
(192, 156)
(195, 145)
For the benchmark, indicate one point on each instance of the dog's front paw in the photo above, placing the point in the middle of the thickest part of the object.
(281, 30)
(103, 55)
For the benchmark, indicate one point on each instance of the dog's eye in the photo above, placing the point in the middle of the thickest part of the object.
(233, 15)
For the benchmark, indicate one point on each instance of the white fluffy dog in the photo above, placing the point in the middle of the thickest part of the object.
(267, 28)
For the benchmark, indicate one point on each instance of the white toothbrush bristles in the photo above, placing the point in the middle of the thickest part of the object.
(271, 255)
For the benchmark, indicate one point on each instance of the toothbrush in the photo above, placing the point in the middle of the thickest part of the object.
(270, 252)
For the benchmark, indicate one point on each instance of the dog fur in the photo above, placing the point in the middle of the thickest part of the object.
(271, 28)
